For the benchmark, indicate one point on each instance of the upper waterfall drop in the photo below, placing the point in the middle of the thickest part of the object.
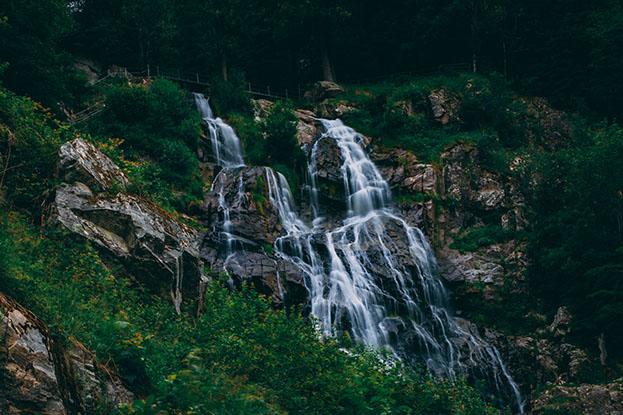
(365, 187)
(226, 147)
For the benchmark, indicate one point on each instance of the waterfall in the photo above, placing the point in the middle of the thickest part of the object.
(377, 279)
(372, 275)
(225, 143)
(227, 153)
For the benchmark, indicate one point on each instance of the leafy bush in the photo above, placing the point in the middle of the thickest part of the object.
(478, 237)
(279, 128)
(576, 243)
(399, 114)
(250, 133)
(29, 142)
(159, 130)
(230, 96)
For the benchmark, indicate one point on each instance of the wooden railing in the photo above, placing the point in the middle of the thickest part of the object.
(201, 80)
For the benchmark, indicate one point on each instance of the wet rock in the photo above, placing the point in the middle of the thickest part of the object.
(328, 159)
(45, 377)
(402, 170)
(322, 90)
(327, 167)
(489, 194)
(584, 399)
(444, 106)
(306, 127)
(555, 128)
(253, 218)
(160, 250)
(491, 265)
(537, 361)
(470, 267)
(81, 161)
(561, 326)
(242, 194)
(331, 109)
(279, 279)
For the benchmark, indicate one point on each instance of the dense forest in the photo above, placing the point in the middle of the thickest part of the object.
(158, 259)
(567, 50)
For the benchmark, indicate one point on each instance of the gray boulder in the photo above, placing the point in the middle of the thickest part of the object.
(45, 377)
(158, 249)
(322, 90)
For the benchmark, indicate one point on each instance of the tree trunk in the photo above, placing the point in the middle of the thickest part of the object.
(327, 69)
(505, 52)
(475, 34)
(224, 71)
(603, 354)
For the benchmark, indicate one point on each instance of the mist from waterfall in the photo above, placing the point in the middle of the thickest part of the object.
(371, 275)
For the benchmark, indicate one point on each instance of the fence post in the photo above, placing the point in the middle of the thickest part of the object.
(286, 93)
(268, 89)
(197, 75)
(249, 86)
(148, 71)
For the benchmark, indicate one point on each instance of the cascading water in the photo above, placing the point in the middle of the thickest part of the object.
(377, 278)
(227, 153)
(372, 275)
(225, 143)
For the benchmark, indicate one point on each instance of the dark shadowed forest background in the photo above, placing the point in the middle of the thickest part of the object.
(569, 50)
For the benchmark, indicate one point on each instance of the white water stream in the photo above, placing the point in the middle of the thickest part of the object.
(372, 275)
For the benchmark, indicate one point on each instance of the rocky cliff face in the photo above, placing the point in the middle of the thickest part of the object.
(447, 200)
(242, 195)
(458, 195)
(157, 248)
(44, 376)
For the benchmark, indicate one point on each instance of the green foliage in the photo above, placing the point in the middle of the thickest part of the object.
(501, 308)
(31, 36)
(272, 142)
(241, 356)
(250, 133)
(147, 115)
(279, 127)
(576, 243)
(477, 237)
(230, 96)
(29, 142)
(484, 114)
(159, 132)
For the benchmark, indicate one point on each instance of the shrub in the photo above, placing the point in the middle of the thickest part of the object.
(29, 142)
(477, 237)
(251, 137)
(230, 96)
(159, 130)
(279, 128)
(576, 237)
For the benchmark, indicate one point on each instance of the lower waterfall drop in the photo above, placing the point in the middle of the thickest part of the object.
(376, 276)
